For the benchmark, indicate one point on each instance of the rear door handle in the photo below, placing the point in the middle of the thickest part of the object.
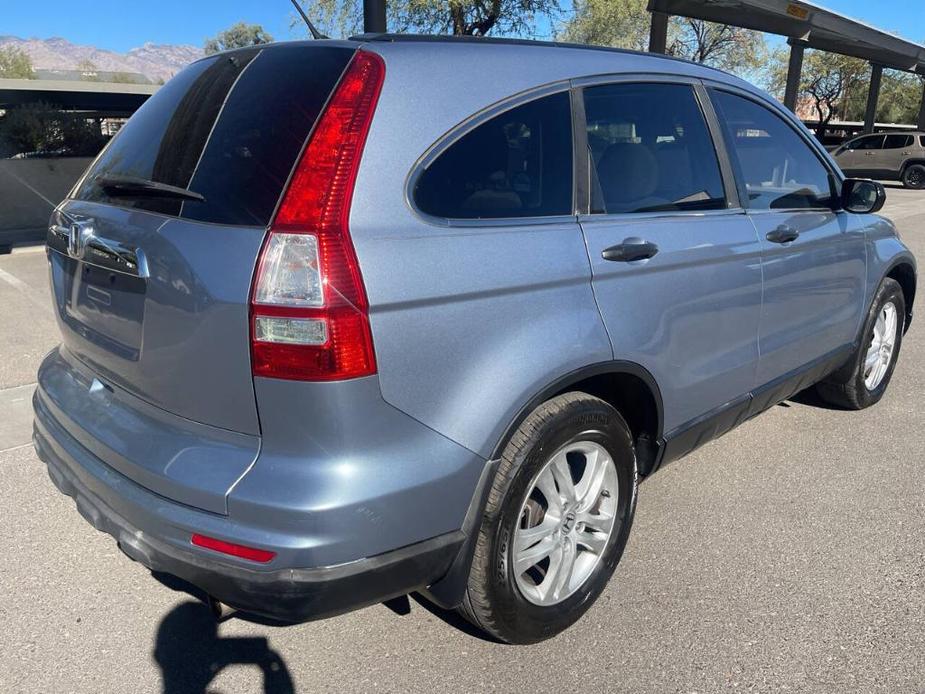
(632, 248)
(783, 234)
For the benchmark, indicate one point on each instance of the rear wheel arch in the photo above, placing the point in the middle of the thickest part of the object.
(626, 386)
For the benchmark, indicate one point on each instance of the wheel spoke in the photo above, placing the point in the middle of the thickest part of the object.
(602, 522)
(546, 483)
(592, 481)
(594, 541)
(532, 556)
(873, 356)
(563, 476)
(890, 333)
(524, 538)
(562, 563)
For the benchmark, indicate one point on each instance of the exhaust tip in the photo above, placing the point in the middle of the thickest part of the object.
(220, 611)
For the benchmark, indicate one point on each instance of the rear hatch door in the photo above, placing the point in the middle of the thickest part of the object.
(152, 256)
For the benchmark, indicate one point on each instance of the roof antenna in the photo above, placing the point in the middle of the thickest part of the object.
(311, 27)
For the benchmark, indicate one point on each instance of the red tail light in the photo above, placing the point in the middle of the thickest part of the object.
(262, 556)
(309, 312)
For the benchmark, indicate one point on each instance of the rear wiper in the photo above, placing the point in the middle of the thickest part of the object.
(130, 186)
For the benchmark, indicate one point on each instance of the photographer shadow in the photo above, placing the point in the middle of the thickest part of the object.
(190, 653)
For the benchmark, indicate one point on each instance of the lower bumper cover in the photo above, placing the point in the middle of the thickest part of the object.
(288, 595)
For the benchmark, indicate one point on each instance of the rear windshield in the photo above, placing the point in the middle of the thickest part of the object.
(228, 127)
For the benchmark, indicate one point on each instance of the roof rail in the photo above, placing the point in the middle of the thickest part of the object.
(450, 38)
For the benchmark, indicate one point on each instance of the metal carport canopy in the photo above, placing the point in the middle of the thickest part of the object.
(806, 22)
(114, 98)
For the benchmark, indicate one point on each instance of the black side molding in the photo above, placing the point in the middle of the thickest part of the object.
(691, 435)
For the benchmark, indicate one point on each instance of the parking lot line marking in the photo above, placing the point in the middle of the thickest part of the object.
(16, 416)
(15, 448)
(14, 176)
(23, 385)
(14, 281)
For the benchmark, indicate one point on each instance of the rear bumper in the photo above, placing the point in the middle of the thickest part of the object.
(358, 502)
(290, 594)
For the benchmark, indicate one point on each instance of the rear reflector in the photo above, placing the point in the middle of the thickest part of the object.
(260, 556)
(309, 312)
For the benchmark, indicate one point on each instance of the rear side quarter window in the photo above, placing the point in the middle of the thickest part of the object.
(516, 164)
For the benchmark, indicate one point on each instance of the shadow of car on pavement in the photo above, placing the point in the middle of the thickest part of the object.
(190, 653)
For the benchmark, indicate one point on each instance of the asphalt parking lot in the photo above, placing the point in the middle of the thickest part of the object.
(787, 556)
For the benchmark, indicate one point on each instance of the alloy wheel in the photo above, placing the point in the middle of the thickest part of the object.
(565, 522)
(882, 344)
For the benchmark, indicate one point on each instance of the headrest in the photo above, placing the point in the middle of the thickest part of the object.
(628, 172)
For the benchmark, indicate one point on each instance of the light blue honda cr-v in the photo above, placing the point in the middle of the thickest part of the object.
(348, 319)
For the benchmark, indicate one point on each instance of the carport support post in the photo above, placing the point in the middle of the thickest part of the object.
(374, 16)
(794, 72)
(921, 123)
(658, 32)
(873, 94)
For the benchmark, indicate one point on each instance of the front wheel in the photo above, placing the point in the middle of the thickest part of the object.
(864, 379)
(557, 520)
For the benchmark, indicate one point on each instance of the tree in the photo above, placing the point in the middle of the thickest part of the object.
(721, 45)
(829, 82)
(88, 71)
(900, 98)
(459, 17)
(238, 35)
(625, 24)
(15, 63)
(122, 78)
(619, 23)
(40, 127)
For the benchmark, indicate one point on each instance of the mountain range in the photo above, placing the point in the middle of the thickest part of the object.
(154, 61)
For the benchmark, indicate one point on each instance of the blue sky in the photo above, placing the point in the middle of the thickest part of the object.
(121, 25)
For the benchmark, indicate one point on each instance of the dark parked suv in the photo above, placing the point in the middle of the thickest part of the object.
(891, 156)
(348, 319)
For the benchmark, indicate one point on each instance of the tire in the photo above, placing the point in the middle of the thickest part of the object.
(495, 601)
(850, 387)
(914, 176)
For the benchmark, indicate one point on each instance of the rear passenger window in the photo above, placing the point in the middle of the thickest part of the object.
(518, 164)
(650, 150)
(779, 169)
(897, 141)
(873, 142)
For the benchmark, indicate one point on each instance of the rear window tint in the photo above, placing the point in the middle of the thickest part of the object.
(518, 164)
(228, 127)
(649, 150)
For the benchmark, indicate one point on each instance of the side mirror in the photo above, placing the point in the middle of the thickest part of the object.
(862, 196)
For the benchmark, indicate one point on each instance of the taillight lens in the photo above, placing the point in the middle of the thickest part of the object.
(309, 312)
